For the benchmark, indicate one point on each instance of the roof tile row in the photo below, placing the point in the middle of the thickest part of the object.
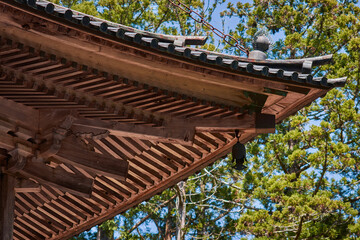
(294, 70)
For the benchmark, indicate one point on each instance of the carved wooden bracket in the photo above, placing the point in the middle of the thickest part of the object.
(50, 147)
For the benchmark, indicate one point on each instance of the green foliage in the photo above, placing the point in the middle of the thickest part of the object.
(307, 173)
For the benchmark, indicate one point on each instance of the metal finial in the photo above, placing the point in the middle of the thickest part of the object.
(262, 43)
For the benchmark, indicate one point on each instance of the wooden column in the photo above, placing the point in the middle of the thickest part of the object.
(7, 202)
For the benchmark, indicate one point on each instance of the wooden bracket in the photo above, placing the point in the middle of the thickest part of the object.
(17, 161)
(53, 145)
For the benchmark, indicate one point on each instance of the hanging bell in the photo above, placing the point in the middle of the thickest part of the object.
(239, 156)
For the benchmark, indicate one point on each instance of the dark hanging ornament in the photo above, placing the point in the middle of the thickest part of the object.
(239, 153)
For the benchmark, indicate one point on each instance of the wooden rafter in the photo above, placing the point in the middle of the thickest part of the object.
(256, 122)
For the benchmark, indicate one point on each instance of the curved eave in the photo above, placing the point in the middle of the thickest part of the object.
(295, 71)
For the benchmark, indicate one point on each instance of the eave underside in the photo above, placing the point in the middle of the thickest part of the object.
(36, 78)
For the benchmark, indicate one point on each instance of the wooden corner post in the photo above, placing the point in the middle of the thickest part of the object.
(7, 202)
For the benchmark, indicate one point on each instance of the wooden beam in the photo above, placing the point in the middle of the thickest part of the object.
(24, 186)
(3, 157)
(7, 203)
(175, 130)
(73, 153)
(19, 114)
(163, 134)
(57, 177)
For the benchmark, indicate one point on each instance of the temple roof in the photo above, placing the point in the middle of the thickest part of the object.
(97, 117)
(295, 70)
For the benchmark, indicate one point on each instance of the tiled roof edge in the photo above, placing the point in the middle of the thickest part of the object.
(185, 40)
(287, 64)
(297, 71)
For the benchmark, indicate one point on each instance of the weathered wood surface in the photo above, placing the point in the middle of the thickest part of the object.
(18, 113)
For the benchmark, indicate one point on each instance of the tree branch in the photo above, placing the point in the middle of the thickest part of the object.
(140, 234)
(161, 20)
(299, 228)
(149, 215)
(159, 229)
(222, 214)
(282, 165)
(352, 200)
